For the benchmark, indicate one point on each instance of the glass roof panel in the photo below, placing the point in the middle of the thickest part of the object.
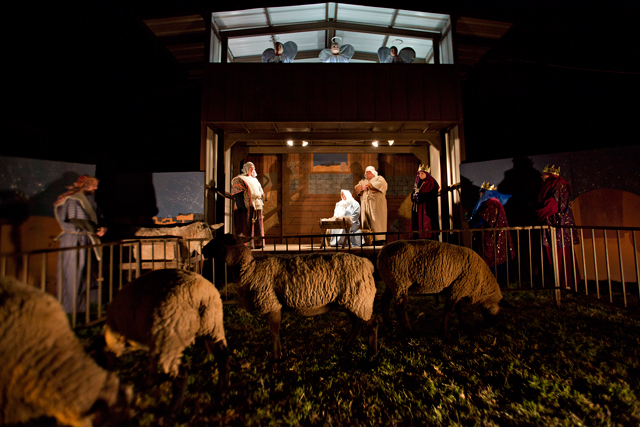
(365, 14)
(422, 47)
(248, 46)
(297, 14)
(315, 40)
(249, 18)
(421, 20)
(362, 42)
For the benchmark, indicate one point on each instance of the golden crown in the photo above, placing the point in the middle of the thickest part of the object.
(487, 186)
(553, 170)
(424, 168)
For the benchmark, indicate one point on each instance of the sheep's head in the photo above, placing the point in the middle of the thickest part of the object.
(232, 248)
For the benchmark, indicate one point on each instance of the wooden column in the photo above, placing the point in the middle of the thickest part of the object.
(444, 186)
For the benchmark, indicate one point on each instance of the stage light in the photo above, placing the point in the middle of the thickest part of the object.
(391, 141)
(290, 143)
(374, 143)
(305, 143)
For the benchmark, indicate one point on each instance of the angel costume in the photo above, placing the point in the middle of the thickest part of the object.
(247, 213)
(390, 55)
(351, 208)
(337, 53)
(373, 202)
(282, 54)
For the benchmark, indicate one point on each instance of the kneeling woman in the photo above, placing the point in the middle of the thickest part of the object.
(348, 206)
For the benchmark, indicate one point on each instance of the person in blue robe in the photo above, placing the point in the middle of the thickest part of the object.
(347, 206)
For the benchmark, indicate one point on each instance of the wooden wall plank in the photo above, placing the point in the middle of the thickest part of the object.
(383, 87)
(366, 94)
(331, 92)
(399, 95)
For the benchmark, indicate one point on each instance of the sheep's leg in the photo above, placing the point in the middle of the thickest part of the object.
(220, 352)
(401, 312)
(356, 325)
(373, 337)
(449, 306)
(387, 296)
(178, 388)
(153, 370)
(274, 318)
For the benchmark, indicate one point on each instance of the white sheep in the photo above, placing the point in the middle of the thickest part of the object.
(434, 267)
(44, 370)
(164, 311)
(305, 285)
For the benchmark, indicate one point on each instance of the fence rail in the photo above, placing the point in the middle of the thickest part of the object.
(604, 262)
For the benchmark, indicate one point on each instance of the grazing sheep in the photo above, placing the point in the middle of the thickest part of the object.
(305, 285)
(44, 370)
(435, 267)
(164, 311)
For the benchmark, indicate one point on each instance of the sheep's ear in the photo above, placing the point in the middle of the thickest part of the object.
(242, 239)
(216, 226)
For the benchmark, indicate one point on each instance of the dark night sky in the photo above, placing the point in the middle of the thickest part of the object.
(88, 84)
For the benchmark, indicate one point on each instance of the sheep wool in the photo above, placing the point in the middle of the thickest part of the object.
(44, 370)
(302, 284)
(164, 311)
(434, 267)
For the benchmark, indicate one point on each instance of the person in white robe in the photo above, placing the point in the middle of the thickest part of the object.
(373, 202)
(249, 202)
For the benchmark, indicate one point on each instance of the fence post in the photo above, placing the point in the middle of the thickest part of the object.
(138, 246)
(553, 242)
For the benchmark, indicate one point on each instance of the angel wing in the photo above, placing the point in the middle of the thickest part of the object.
(268, 54)
(324, 54)
(290, 49)
(383, 54)
(347, 51)
(408, 55)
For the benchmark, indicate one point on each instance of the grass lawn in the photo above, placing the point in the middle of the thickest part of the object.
(538, 365)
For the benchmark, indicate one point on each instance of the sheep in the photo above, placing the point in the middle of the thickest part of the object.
(305, 285)
(436, 267)
(44, 370)
(163, 311)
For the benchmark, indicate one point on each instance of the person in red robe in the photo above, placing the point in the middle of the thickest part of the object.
(554, 209)
(424, 213)
(494, 244)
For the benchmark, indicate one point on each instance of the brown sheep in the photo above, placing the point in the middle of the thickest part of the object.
(305, 285)
(433, 268)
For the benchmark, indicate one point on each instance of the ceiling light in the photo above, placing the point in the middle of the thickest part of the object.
(391, 142)
(305, 143)
(374, 143)
(290, 143)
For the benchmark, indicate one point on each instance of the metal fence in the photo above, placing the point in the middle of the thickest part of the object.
(605, 262)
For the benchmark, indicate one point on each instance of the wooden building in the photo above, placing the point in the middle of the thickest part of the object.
(310, 127)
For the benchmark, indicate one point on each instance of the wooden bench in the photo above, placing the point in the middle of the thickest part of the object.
(335, 224)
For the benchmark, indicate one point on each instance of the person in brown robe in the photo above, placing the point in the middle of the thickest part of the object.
(373, 202)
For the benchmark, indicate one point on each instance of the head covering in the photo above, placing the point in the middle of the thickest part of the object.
(347, 194)
(489, 194)
(372, 170)
(82, 182)
(341, 206)
(246, 167)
